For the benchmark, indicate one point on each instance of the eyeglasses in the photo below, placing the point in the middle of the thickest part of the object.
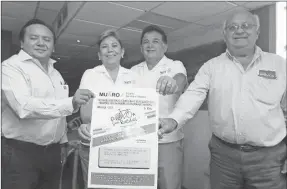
(245, 26)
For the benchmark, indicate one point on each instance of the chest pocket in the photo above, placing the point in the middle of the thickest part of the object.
(61, 88)
(62, 91)
(267, 90)
(41, 86)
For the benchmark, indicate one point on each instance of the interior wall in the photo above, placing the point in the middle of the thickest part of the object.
(267, 36)
(281, 22)
(72, 71)
(193, 58)
(6, 43)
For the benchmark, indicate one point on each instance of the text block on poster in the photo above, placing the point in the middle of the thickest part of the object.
(124, 157)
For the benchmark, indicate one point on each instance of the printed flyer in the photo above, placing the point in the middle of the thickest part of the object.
(124, 140)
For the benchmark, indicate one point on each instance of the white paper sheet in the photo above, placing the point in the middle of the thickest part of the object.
(124, 144)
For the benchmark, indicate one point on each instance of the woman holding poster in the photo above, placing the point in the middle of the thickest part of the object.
(109, 74)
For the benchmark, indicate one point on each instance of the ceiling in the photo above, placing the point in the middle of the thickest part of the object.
(186, 23)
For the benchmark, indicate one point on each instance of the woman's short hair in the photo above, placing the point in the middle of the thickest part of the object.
(109, 33)
(32, 22)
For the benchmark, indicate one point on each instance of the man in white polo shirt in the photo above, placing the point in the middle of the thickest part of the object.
(169, 79)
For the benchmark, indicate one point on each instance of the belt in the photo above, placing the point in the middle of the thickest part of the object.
(241, 147)
(28, 145)
(85, 144)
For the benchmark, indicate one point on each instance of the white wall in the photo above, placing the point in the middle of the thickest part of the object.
(281, 29)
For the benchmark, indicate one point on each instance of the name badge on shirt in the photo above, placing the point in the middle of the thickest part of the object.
(267, 74)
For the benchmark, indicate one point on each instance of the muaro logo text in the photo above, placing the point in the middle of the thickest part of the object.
(109, 94)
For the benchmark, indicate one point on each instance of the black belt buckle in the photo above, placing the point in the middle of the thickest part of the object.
(247, 148)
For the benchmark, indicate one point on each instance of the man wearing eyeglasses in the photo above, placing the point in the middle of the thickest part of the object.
(246, 98)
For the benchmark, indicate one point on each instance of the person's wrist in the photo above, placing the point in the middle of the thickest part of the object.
(87, 129)
(176, 85)
(75, 105)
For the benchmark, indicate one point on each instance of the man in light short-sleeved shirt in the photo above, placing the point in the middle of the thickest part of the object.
(169, 79)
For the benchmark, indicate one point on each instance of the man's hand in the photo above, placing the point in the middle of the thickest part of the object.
(166, 125)
(84, 132)
(81, 97)
(166, 85)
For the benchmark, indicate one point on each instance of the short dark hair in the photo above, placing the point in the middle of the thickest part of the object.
(32, 22)
(155, 28)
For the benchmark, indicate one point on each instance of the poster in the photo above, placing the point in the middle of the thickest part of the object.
(124, 140)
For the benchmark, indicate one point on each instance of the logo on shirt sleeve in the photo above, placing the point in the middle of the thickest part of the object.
(268, 74)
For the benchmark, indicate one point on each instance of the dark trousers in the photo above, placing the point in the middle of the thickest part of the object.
(232, 168)
(30, 166)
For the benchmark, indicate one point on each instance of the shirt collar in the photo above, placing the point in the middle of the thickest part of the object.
(121, 71)
(103, 69)
(23, 56)
(162, 61)
(258, 53)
